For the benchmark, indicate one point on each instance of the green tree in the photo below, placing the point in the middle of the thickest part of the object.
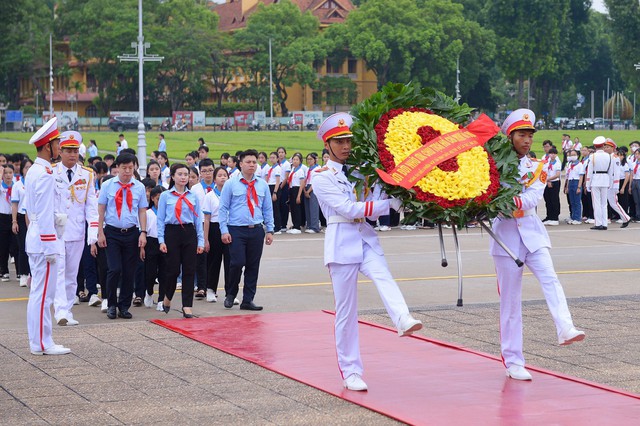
(625, 18)
(185, 32)
(337, 90)
(295, 45)
(225, 61)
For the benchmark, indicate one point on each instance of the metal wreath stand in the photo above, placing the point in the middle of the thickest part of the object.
(443, 254)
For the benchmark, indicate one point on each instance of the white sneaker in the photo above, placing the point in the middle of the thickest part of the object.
(518, 372)
(211, 296)
(148, 300)
(12, 260)
(385, 228)
(104, 306)
(94, 300)
(72, 321)
(552, 223)
(23, 280)
(76, 301)
(569, 336)
(310, 231)
(294, 231)
(355, 383)
(408, 325)
(619, 221)
(53, 350)
(277, 233)
(236, 301)
(591, 221)
(179, 286)
(5, 278)
(575, 222)
(160, 307)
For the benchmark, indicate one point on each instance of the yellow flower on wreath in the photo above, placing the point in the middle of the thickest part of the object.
(472, 177)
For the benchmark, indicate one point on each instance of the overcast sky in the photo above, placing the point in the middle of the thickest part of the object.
(599, 6)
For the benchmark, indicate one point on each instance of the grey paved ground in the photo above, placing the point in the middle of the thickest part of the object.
(134, 372)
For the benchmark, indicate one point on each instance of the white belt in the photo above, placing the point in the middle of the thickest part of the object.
(522, 213)
(342, 219)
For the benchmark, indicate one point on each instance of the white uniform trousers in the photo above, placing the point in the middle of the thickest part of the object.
(67, 282)
(345, 290)
(599, 201)
(612, 198)
(510, 290)
(43, 286)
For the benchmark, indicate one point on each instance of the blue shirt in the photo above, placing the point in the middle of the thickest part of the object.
(108, 197)
(167, 214)
(162, 146)
(93, 151)
(234, 210)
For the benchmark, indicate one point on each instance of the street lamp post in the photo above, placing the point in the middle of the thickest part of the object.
(141, 57)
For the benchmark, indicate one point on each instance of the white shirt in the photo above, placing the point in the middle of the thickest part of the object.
(5, 204)
(152, 224)
(553, 169)
(124, 144)
(298, 177)
(272, 174)
(211, 205)
(262, 170)
(574, 171)
(198, 191)
(18, 195)
(234, 173)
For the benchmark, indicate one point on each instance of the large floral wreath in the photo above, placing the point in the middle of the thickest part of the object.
(395, 123)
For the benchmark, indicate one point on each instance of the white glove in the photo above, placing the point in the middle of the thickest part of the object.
(92, 236)
(51, 258)
(60, 223)
(395, 204)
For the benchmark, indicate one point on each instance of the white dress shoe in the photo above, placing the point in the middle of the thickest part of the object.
(355, 383)
(23, 280)
(569, 336)
(104, 306)
(53, 350)
(211, 296)
(518, 372)
(94, 300)
(408, 325)
(148, 300)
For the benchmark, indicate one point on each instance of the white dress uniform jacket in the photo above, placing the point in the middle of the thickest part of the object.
(78, 200)
(40, 206)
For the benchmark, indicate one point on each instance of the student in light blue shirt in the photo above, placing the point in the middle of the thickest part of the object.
(181, 236)
(162, 144)
(122, 221)
(245, 210)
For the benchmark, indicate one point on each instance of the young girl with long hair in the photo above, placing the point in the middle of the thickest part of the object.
(296, 181)
(154, 261)
(19, 224)
(180, 236)
(273, 178)
(311, 206)
(9, 245)
(217, 251)
(283, 189)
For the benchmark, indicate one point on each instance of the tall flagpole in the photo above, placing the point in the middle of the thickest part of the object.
(50, 75)
(270, 83)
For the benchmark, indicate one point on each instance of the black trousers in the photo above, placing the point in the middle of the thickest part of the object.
(218, 253)
(552, 200)
(8, 245)
(23, 260)
(101, 264)
(587, 204)
(122, 261)
(201, 271)
(245, 252)
(283, 205)
(154, 267)
(87, 273)
(182, 245)
(296, 209)
(277, 225)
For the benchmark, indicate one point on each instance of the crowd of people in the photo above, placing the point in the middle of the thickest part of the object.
(601, 182)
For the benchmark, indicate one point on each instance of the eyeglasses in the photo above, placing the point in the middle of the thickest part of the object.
(205, 171)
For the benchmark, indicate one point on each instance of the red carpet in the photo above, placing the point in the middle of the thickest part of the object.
(414, 380)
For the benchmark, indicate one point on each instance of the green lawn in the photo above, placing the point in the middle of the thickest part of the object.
(180, 143)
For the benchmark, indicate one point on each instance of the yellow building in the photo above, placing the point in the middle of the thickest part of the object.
(233, 17)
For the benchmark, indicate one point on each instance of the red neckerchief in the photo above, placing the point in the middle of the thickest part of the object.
(251, 193)
(118, 199)
(183, 197)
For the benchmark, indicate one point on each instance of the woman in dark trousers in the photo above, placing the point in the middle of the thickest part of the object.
(217, 252)
(19, 224)
(296, 187)
(283, 190)
(180, 236)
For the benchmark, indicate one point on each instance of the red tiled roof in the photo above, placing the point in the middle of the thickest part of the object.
(232, 18)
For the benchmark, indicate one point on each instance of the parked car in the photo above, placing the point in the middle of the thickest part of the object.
(585, 124)
(121, 123)
(570, 125)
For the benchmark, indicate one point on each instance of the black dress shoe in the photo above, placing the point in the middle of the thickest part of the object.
(250, 306)
(125, 314)
(598, 228)
(111, 312)
(166, 308)
(186, 315)
(228, 302)
(624, 225)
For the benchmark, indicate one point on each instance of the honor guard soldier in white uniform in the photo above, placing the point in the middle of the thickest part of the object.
(351, 246)
(43, 240)
(618, 174)
(76, 197)
(527, 238)
(599, 180)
